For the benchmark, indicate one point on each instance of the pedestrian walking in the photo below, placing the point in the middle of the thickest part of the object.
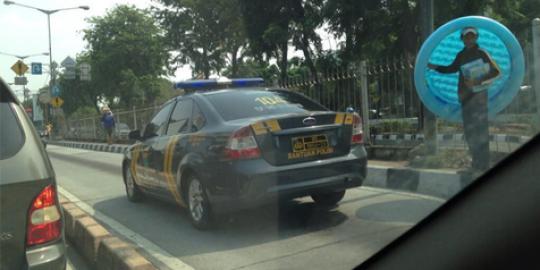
(108, 123)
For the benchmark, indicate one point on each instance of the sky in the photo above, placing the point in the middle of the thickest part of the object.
(24, 32)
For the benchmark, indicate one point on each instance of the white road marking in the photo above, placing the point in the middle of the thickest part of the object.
(152, 249)
(403, 193)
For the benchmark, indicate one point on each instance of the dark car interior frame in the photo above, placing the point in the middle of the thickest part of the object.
(494, 223)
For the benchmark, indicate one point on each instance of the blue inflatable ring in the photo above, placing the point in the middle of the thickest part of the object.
(438, 91)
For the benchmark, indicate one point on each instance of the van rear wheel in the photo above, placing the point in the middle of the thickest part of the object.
(328, 198)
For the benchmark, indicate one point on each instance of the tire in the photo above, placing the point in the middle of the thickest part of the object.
(198, 205)
(134, 194)
(328, 198)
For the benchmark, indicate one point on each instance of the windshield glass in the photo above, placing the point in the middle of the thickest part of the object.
(252, 103)
(292, 134)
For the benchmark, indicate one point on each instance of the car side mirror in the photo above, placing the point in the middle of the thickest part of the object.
(149, 131)
(135, 135)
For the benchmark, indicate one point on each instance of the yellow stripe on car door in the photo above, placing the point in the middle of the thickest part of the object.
(167, 167)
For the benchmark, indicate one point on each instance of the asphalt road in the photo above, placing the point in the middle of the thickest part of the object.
(295, 236)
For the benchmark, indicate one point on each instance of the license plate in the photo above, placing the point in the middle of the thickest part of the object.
(308, 146)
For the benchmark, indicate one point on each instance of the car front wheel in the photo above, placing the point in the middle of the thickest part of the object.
(133, 192)
(328, 198)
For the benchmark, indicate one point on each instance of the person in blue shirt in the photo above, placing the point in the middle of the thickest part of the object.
(108, 123)
(474, 103)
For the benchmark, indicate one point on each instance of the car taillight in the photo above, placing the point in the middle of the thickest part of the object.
(44, 220)
(242, 145)
(357, 133)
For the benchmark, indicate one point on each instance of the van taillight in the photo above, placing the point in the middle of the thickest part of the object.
(44, 219)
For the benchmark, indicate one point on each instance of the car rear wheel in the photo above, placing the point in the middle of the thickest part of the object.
(328, 198)
(133, 192)
(198, 204)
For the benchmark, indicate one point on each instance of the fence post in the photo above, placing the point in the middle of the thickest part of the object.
(429, 119)
(365, 101)
(134, 119)
(94, 128)
(536, 66)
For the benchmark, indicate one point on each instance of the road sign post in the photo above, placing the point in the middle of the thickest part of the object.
(85, 72)
(57, 102)
(20, 80)
(19, 68)
(69, 64)
(36, 68)
(44, 96)
(55, 91)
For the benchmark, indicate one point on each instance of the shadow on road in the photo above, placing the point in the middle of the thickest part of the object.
(169, 225)
(407, 211)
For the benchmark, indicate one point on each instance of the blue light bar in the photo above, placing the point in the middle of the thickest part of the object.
(213, 83)
(196, 84)
(247, 82)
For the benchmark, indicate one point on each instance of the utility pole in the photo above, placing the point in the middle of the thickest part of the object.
(536, 66)
(429, 119)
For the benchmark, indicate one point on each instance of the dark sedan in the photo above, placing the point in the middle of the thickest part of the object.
(217, 151)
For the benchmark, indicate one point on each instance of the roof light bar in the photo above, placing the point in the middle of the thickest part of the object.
(213, 83)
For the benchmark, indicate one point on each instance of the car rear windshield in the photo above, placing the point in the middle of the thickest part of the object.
(239, 104)
(11, 135)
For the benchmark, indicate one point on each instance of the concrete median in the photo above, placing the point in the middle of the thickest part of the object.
(437, 183)
(97, 245)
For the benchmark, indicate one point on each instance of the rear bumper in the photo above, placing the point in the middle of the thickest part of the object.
(50, 257)
(255, 182)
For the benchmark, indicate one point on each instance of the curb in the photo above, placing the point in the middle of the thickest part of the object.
(101, 147)
(442, 184)
(455, 138)
(96, 244)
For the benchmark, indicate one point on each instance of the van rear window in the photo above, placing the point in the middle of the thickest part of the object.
(11, 135)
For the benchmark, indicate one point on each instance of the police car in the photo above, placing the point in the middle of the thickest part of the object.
(227, 145)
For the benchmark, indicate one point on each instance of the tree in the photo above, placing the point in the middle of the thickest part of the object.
(358, 22)
(77, 93)
(254, 68)
(272, 25)
(203, 33)
(307, 18)
(125, 48)
(517, 15)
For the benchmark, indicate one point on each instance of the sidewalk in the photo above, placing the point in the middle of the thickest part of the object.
(382, 174)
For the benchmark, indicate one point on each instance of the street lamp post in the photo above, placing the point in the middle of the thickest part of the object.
(47, 12)
(22, 57)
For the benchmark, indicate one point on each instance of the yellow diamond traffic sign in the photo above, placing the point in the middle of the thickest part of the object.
(19, 68)
(57, 102)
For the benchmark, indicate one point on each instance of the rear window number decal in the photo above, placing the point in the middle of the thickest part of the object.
(270, 101)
